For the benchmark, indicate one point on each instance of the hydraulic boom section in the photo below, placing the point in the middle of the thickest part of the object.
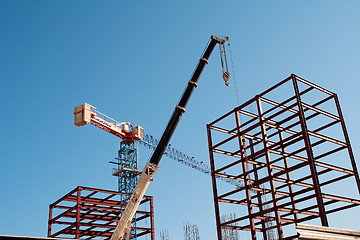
(123, 228)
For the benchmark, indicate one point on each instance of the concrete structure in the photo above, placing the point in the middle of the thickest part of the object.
(310, 232)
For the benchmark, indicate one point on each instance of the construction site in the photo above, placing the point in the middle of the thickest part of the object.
(279, 163)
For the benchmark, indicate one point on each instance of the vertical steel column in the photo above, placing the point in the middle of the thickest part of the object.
(246, 180)
(213, 178)
(258, 194)
(347, 139)
(286, 165)
(152, 219)
(269, 169)
(310, 155)
(50, 220)
(77, 223)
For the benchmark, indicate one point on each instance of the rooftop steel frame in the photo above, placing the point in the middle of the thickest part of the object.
(92, 213)
(293, 155)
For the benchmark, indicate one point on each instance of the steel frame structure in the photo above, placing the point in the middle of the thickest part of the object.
(93, 214)
(293, 155)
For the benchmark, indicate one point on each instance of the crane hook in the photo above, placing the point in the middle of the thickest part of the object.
(226, 77)
(225, 70)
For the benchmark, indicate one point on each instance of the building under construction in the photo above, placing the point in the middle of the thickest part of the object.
(290, 148)
(90, 213)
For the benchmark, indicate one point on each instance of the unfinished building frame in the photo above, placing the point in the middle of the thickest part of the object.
(93, 214)
(293, 156)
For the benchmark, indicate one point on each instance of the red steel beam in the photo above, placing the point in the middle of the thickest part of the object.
(213, 178)
(90, 212)
(279, 169)
(246, 179)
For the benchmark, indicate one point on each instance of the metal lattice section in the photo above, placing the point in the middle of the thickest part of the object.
(177, 155)
(127, 172)
(293, 156)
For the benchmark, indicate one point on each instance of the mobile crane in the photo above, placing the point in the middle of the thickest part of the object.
(86, 113)
(124, 226)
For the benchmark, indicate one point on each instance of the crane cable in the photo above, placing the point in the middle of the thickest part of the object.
(223, 55)
(225, 69)
(233, 73)
(223, 59)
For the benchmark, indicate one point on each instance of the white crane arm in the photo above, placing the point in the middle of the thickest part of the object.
(124, 225)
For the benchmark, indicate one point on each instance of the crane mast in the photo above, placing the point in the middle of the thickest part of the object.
(124, 225)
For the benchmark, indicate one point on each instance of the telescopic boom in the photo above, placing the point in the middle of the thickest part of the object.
(124, 226)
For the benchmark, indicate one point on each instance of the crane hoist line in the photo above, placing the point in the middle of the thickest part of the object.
(123, 227)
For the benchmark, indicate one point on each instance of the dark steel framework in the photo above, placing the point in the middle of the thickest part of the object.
(293, 156)
(91, 213)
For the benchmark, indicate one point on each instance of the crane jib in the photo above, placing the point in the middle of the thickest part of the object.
(180, 108)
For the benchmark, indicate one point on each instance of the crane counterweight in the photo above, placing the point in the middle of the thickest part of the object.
(82, 114)
(85, 114)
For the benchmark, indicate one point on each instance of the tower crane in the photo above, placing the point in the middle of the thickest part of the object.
(88, 114)
(124, 131)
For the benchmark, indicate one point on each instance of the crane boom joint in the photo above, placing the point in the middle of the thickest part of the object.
(182, 109)
(204, 60)
(192, 83)
(220, 40)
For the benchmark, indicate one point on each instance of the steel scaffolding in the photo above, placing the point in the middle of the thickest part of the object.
(293, 155)
(93, 214)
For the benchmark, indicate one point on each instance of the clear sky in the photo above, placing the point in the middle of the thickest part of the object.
(132, 59)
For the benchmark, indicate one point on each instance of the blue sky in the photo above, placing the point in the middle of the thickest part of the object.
(132, 61)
